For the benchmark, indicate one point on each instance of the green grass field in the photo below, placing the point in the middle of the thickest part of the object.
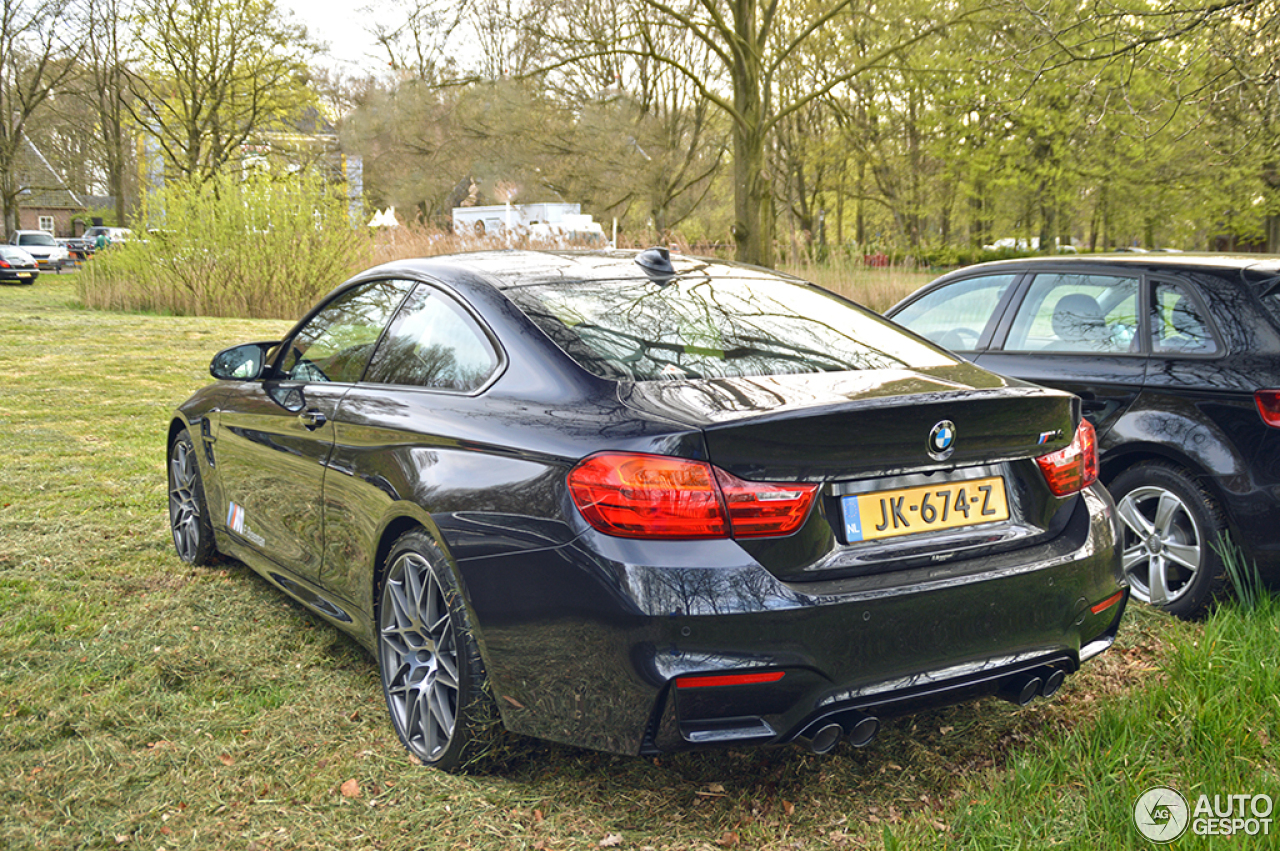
(147, 705)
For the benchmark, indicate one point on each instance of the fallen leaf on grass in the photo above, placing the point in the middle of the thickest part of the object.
(729, 840)
(613, 840)
(351, 789)
(226, 759)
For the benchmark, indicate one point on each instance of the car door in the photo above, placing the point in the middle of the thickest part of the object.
(1079, 332)
(404, 431)
(274, 437)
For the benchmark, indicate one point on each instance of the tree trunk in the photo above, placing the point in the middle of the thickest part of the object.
(753, 195)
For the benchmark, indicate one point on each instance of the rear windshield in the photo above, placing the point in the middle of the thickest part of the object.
(715, 328)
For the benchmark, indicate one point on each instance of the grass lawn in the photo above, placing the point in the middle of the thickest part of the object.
(147, 705)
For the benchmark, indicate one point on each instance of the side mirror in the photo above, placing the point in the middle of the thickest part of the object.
(241, 363)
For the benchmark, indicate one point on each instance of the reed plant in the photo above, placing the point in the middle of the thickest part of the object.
(229, 247)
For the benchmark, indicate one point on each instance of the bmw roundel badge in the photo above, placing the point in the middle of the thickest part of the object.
(942, 440)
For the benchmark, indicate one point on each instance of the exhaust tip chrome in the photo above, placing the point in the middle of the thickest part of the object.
(864, 731)
(1021, 688)
(826, 738)
(1052, 682)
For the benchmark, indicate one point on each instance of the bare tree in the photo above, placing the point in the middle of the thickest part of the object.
(40, 41)
(211, 73)
(754, 45)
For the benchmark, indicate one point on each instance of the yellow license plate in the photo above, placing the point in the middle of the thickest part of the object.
(24, 274)
(909, 511)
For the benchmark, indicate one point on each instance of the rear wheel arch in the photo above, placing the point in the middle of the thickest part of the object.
(396, 528)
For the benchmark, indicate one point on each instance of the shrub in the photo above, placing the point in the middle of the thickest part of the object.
(256, 248)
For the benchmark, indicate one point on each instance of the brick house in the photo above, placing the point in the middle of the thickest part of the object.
(45, 203)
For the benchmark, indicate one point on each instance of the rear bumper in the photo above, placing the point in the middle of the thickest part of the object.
(591, 649)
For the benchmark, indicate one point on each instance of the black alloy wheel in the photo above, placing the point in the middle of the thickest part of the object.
(432, 674)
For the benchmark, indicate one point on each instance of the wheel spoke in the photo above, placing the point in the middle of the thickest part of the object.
(1167, 510)
(440, 701)
(1133, 518)
(1187, 555)
(1157, 581)
(1133, 556)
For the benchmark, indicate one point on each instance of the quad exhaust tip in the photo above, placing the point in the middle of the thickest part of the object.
(859, 729)
(1027, 686)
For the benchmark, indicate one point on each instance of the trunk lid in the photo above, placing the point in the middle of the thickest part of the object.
(821, 426)
(866, 438)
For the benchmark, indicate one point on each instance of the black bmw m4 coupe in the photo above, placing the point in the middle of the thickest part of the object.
(641, 502)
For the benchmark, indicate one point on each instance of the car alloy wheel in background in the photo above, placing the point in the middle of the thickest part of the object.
(1169, 528)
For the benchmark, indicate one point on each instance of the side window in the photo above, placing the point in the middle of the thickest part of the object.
(1077, 313)
(954, 316)
(1177, 323)
(434, 343)
(336, 344)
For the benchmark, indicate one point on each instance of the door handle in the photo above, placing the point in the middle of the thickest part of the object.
(313, 419)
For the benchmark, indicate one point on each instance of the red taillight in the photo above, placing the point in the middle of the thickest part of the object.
(1074, 467)
(655, 496)
(3, 264)
(1268, 406)
(764, 509)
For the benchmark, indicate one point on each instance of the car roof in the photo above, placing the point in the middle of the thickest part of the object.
(1261, 263)
(511, 269)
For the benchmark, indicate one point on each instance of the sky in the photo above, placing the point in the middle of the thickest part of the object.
(344, 26)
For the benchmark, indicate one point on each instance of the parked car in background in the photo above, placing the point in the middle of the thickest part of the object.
(1177, 360)
(42, 246)
(17, 265)
(641, 503)
(83, 247)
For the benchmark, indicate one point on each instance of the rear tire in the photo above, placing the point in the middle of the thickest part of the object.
(432, 675)
(1169, 528)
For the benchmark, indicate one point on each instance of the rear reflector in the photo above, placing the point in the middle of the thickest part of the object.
(1074, 467)
(729, 679)
(1268, 406)
(632, 495)
(1098, 608)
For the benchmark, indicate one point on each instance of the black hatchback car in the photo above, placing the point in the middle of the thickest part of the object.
(17, 265)
(641, 503)
(1177, 360)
